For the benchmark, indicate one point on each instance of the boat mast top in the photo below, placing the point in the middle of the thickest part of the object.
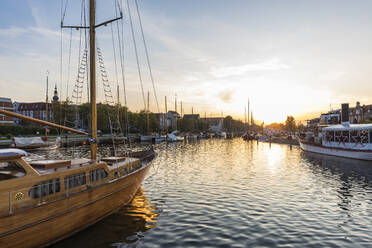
(92, 71)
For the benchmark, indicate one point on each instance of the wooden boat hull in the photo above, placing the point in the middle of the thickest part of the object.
(64, 217)
(346, 153)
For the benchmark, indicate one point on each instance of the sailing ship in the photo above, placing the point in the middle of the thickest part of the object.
(42, 202)
(342, 140)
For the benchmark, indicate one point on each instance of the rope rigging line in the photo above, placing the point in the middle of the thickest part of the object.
(122, 60)
(69, 66)
(112, 112)
(122, 55)
(86, 43)
(63, 12)
(121, 49)
(136, 53)
(147, 55)
(113, 47)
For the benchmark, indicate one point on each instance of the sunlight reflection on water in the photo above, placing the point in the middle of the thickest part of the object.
(232, 193)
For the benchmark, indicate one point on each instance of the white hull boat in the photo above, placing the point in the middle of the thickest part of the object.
(342, 140)
(35, 143)
(171, 137)
(339, 152)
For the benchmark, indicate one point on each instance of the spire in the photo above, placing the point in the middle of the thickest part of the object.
(55, 97)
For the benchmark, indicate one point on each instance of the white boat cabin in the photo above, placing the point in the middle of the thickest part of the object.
(350, 136)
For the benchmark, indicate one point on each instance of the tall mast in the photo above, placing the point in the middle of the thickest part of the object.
(166, 115)
(46, 98)
(92, 57)
(92, 71)
(148, 111)
(245, 115)
(181, 109)
(248, 112)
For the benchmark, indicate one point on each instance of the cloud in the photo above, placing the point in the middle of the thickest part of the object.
(226, 96)
(12, 32)
(36, 15)
(269, 65)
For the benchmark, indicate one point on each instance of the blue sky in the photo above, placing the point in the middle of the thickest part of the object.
(290, 57)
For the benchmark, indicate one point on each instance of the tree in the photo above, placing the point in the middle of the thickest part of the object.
(228, 123)
(290, 124)
(300, 127)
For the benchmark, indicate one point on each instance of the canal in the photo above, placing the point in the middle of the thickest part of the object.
(232, 193)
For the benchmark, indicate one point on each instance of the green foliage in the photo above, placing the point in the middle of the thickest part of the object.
(290, 124)
(12, 130)
(301, 127)
(276, 126)
(192, 125)
(231, 125)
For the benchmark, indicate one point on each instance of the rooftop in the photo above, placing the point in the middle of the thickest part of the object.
(341, 127)
(4, 99)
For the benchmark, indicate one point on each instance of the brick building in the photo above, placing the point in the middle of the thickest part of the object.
(6, 104)
(33, 109)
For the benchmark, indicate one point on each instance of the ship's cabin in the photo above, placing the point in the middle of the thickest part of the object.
(360, 135)
(27, 184)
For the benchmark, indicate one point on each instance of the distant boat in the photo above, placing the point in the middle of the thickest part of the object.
(192, 137)
(229, 135)
(152, 138)
(351, 141)
(35, 143)
(222, 135)
(171, 137)
(147, 138)
(342, 140)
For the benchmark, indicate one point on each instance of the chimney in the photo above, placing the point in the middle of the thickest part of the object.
(345, 114)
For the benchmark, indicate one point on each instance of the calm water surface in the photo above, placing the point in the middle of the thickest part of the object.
(232, 193)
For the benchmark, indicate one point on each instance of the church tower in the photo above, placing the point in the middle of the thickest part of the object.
(55, 97)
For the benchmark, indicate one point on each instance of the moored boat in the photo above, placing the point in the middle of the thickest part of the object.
(35, 143)
(172, 137)
(42, 202)
(343, 140)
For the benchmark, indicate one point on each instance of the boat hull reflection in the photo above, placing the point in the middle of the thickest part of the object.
(122, 227)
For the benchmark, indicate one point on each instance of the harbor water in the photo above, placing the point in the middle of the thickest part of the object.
(233, 193)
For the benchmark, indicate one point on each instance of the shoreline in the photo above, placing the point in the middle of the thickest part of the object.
(282, 141)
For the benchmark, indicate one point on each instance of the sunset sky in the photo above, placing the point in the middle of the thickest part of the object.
(289, 57)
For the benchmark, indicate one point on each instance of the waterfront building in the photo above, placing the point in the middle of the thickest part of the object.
(33, 109)
(360, 113)
(161, 119)
(170, 119)
(330, 118)
(192, 116)
(173, 118)
(6, 104)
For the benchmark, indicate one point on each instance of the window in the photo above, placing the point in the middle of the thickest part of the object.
(45, 188)
(125, 171)
(11, 170)
(98, 174)
(330, 136)
(75, 180)
(355, 138)
(345, 137)
(363, 136)
(338, 136)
